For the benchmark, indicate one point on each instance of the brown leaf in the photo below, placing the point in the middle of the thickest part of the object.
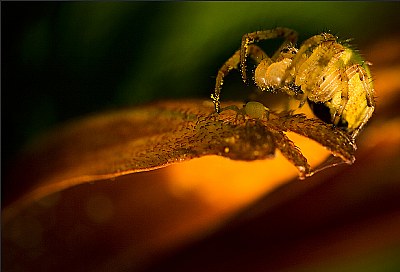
(116, 143)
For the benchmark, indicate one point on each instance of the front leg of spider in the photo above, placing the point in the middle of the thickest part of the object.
(248, 49)
(255, 52)
(230, 64)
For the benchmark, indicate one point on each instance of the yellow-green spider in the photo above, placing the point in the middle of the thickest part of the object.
(322, 71)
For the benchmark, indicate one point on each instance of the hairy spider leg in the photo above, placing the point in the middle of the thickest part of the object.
(231, 63)
(362, 73)
(255, 52)
(344, 97)
(280, 32)
(357, 68)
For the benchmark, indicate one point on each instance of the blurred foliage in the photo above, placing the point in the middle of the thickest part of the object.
(61, 60)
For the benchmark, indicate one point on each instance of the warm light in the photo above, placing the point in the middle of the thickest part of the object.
(227, 184)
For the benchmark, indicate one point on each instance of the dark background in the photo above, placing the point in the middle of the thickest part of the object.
(62, 60)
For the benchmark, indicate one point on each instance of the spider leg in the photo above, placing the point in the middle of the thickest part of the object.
(369, 90)
(255, 52)
(250, 38)
(230, 64)
(344, 97)
(369, 96)
(368, 115)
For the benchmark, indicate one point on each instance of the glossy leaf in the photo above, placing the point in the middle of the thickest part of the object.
(134, 140)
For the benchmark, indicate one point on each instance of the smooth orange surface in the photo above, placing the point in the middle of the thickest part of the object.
(229, 184)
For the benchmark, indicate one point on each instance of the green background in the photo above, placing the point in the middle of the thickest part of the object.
(62, 60)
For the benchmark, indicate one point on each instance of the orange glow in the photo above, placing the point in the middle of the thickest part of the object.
(228, 184)
(386, 81)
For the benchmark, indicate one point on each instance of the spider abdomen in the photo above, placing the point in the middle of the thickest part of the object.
(318, 75)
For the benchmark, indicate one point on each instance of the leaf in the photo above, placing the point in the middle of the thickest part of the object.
(116, 143)
(335, 140)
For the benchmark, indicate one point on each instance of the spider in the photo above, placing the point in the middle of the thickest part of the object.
(322, 71)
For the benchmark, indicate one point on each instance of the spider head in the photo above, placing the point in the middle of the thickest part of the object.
(269, 75)
(288, 52)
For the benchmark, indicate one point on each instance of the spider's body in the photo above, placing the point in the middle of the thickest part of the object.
(322, 71)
